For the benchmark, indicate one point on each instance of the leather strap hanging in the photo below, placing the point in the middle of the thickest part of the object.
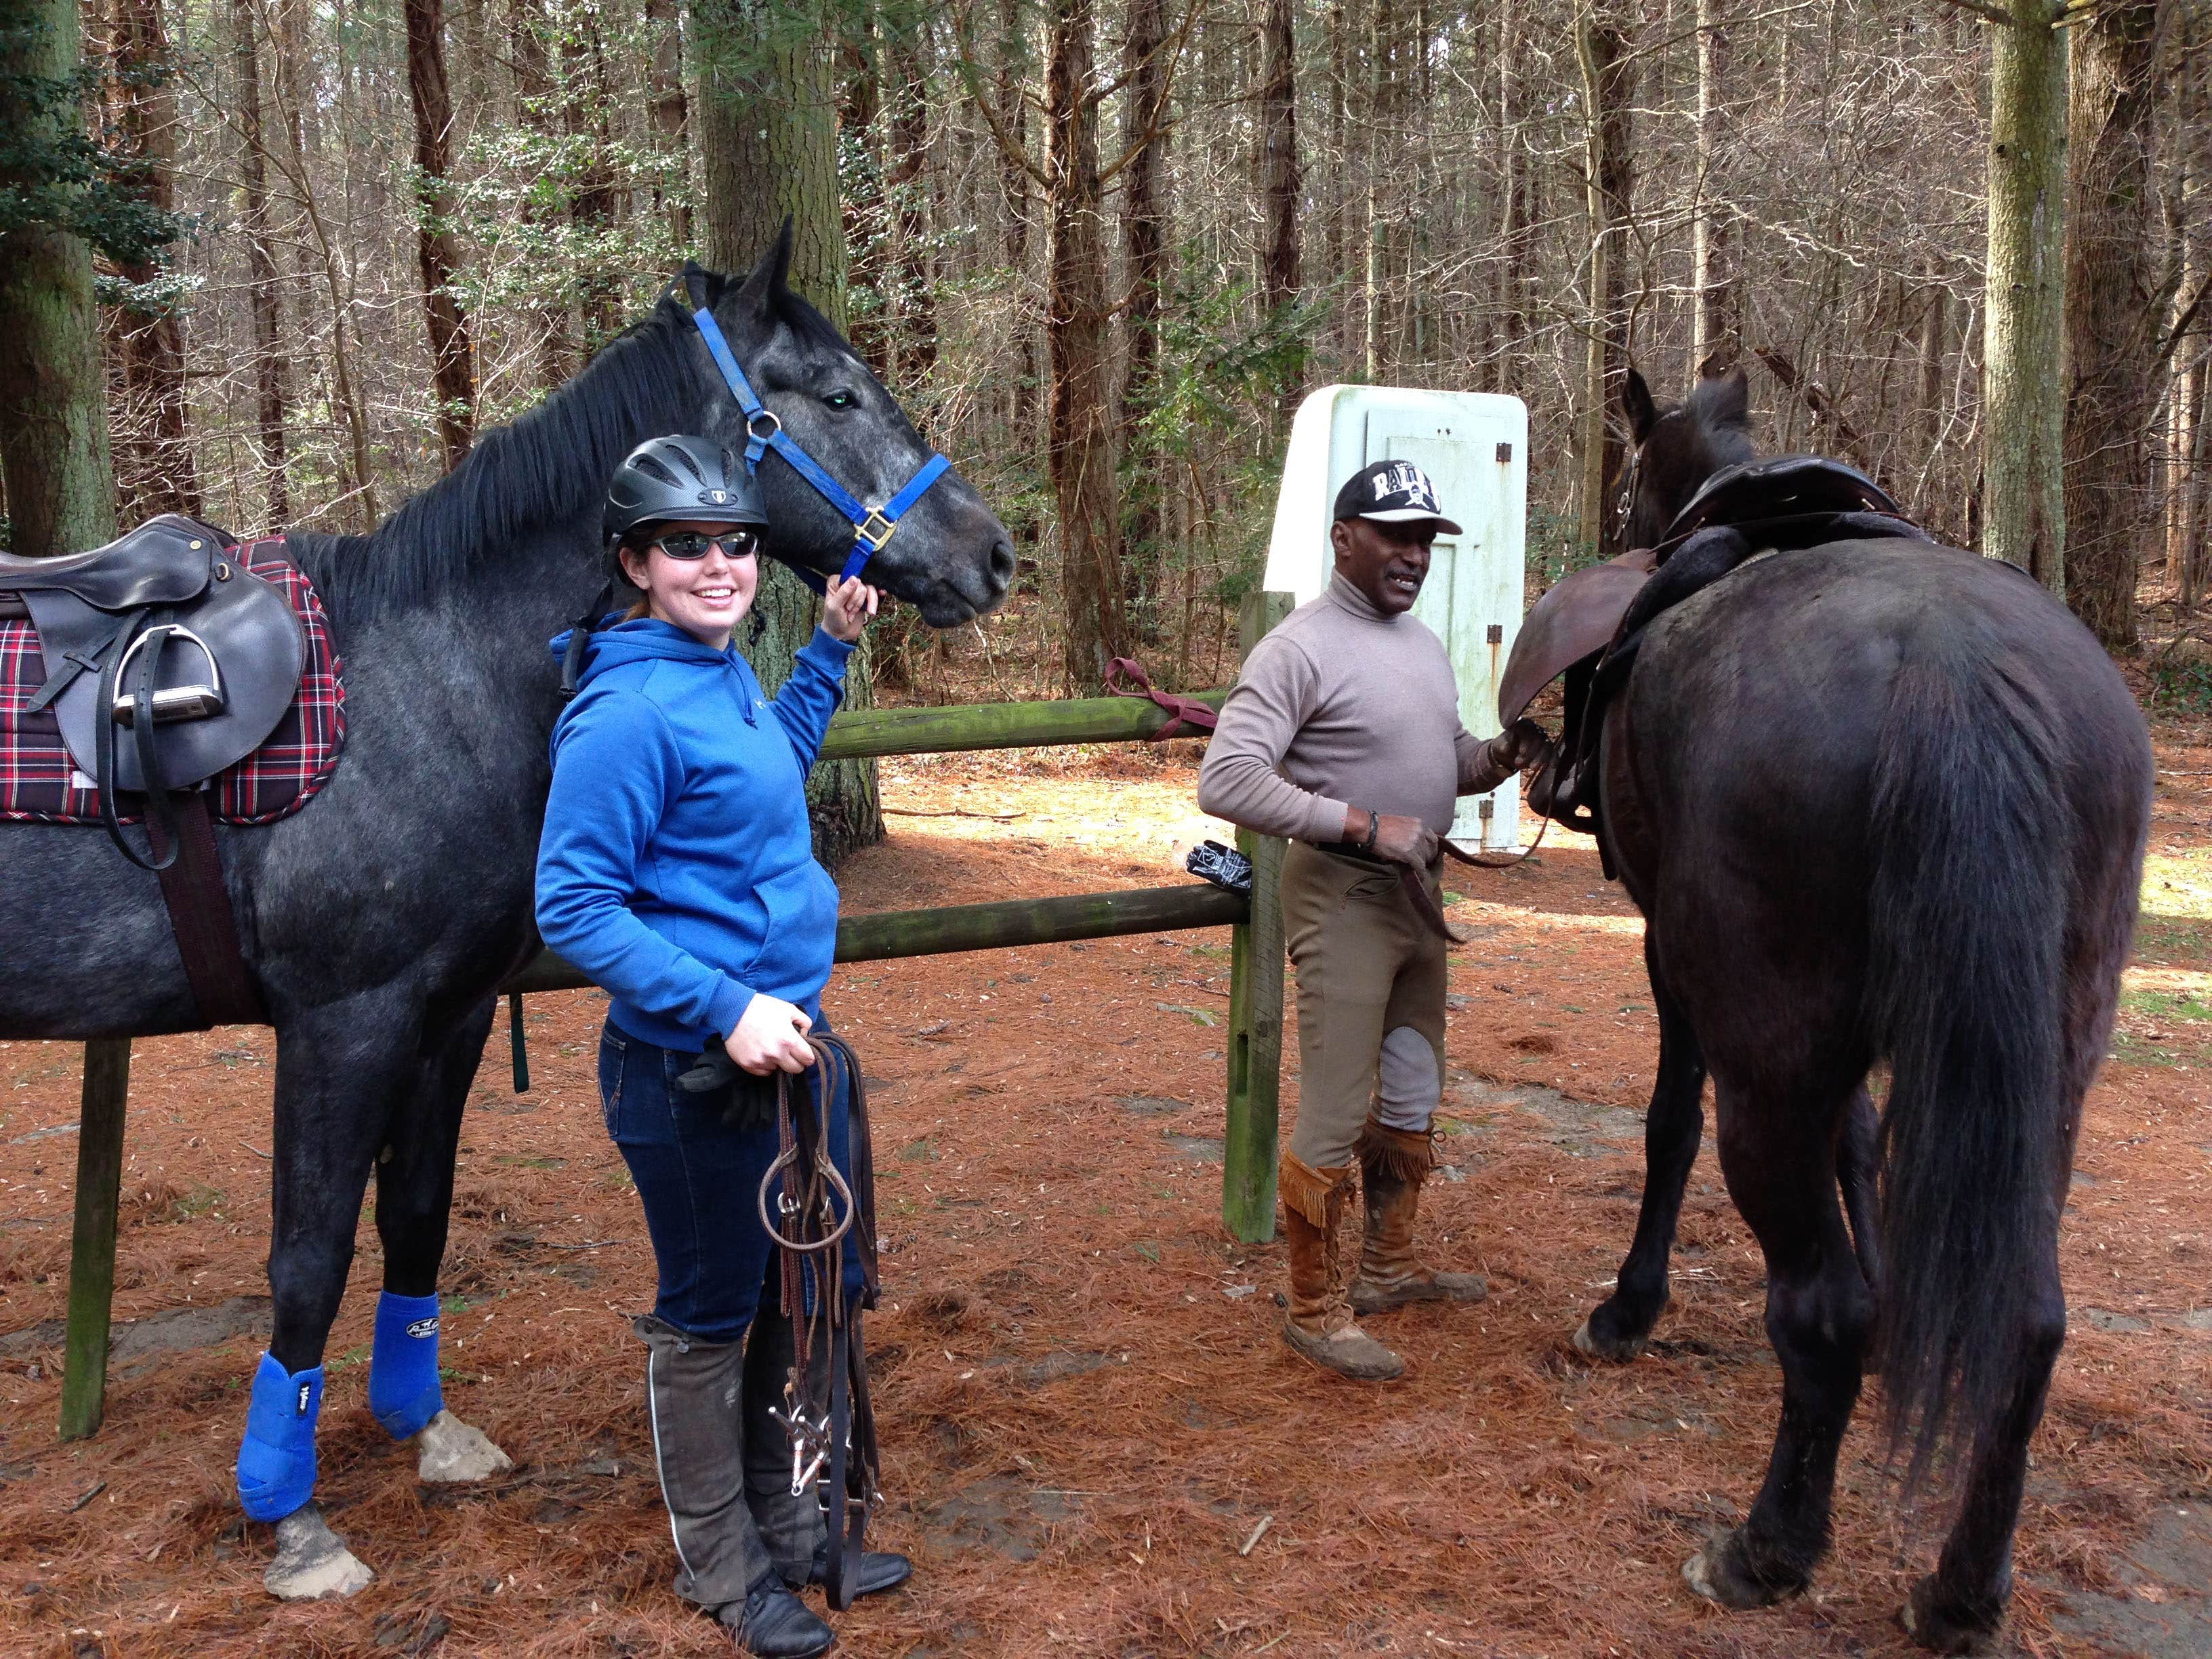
(837, 1446)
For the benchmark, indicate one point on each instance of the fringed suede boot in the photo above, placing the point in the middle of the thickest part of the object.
(1393, 1165)
(1320, 1324)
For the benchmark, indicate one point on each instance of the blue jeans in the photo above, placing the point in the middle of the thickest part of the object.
(700, 1181)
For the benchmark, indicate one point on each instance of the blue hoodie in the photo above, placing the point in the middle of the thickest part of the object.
(676, 870)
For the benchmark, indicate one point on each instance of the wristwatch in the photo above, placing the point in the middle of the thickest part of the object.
(1374, 829)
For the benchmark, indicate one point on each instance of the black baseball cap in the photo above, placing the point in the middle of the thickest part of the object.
(1391, 492)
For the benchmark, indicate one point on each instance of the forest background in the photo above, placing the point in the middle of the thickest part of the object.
(1101, 248)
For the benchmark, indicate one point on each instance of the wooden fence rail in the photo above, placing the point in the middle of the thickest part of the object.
(1248, 1193)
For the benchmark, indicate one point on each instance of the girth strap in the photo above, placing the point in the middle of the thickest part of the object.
(179, 831)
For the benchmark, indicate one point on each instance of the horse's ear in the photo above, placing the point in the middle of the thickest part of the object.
(1727, 399)
(1643, 413)
(762, 296)
(699, 288)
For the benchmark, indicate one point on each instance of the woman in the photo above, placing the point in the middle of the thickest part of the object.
(677, 871)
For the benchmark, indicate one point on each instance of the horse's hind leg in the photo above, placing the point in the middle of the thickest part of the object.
(414, 1202)
(1619, 1326)
(1779, 1159)
(1960, 1607)
(339, 1070)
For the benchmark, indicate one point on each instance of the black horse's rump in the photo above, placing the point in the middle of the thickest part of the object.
(1879, 801)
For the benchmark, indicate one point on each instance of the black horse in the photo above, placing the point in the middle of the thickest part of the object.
(1879, 801)
(378, 922)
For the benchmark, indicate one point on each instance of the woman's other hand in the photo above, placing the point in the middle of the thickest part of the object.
(847, 607)
(771, 1037)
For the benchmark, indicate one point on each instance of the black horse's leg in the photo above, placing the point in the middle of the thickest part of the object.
(1960, 1607)
(1858, 1151)
(1780, 1165)
(340, 1070)
(1619, 1326)
(414, 1201)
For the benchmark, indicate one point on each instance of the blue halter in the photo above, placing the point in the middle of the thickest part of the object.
(871, 526)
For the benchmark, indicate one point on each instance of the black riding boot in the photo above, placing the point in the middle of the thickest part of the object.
(693, 1389)
(793, 1528)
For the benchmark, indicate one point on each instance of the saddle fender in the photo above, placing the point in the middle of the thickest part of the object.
(1576, 617)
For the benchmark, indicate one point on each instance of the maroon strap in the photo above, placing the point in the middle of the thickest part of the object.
(200, 914)
(1125, 679)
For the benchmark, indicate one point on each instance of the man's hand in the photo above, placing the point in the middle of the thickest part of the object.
(1400, 840)
(847, 607)
(1406, 841)
(771, 1035)
(1518, 747)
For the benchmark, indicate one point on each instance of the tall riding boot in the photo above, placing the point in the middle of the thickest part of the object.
(1392, 1164)
(1320, 1324)
(693, 1389)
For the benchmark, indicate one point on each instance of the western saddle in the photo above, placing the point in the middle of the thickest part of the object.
(1590, 625)
(167, 662)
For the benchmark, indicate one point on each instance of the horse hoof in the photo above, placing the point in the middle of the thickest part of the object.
(313, 1563)
(1931, 1628)
(452, 1452)
(1619, 1352)
(1715, 1573)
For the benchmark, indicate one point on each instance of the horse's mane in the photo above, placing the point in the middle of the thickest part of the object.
(550, 467)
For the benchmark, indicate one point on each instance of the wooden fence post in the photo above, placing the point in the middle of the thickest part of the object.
(106, 1095)
(1256, 1008)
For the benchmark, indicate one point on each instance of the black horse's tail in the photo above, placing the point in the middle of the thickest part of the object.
(1969, 903)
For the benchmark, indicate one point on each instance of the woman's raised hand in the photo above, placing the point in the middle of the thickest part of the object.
(847, 607)
(771, 1035)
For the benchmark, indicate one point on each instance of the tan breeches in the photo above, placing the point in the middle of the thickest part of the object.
(1370, 1002)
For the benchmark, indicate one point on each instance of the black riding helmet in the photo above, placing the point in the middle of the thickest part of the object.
(662, 481)
(676, 478)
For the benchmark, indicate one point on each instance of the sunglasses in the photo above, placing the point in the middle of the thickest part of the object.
(693, 544)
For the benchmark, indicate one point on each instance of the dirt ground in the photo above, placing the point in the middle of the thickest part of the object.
(1096, 1443)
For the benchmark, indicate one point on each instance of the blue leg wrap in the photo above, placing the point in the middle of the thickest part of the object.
(277, 1460)
(402, 1371)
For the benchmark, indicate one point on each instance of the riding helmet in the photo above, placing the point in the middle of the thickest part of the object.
(675, 478)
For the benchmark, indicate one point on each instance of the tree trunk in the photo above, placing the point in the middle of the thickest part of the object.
(1516, 238)
(154, 468)
(2024, 514)
(262, 290)
(1079, 414)
(767, 121)
(528, 29)
(907, 186)
(452, 359)
(53, 422)
(670, 112)
(1608, 86)
(1147, 261)
(2113, 322)
(1279, 204)
(767, 141)
(1014, 183)
(1713, 330)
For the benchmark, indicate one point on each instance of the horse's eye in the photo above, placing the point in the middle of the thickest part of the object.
(839, 400)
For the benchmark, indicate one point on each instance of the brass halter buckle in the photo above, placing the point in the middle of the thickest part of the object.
(875, 530)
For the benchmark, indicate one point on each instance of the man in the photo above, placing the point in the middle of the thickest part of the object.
(1343, 737)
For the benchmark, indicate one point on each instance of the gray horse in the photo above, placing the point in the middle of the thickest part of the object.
(378, 922)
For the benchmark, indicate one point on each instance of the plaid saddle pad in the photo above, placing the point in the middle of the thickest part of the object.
(39, 783)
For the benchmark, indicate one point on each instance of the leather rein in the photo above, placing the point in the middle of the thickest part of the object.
(829, 1419)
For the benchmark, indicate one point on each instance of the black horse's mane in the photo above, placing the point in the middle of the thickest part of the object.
(546, 468)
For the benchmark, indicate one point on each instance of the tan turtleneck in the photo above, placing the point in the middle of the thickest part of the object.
(1340, 706)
